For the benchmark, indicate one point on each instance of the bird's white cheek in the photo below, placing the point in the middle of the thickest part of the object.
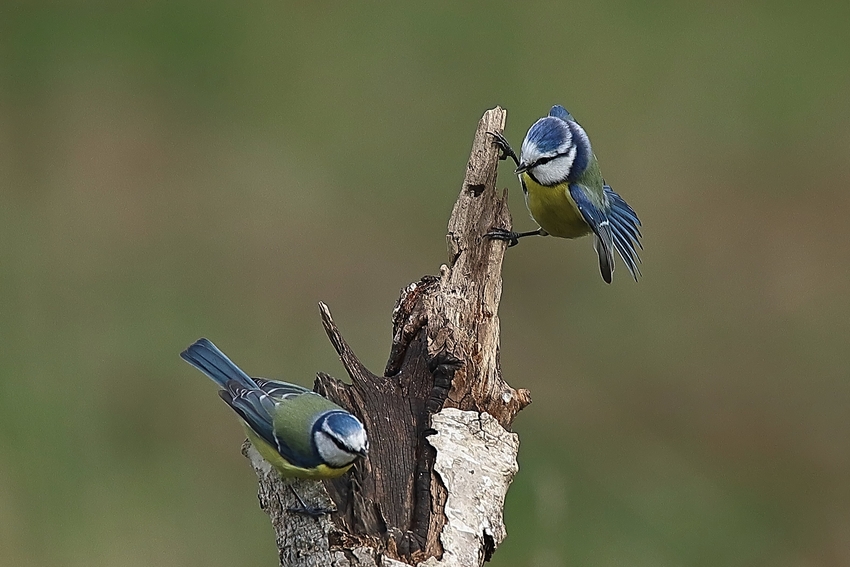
(557, 170)
(330, 453)
(548, 174)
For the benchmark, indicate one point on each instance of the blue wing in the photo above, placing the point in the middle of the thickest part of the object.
(601, 226)
(625, 229)
(256, 408)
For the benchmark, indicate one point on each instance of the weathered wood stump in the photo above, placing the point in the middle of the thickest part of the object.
(441, 456)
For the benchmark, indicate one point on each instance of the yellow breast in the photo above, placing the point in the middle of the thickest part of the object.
(554, 209)
(286, 468)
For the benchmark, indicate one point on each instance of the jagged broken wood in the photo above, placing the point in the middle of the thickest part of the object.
(441, 459)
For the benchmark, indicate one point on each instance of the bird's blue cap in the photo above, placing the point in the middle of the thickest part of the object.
(548, 135)
(344, 423)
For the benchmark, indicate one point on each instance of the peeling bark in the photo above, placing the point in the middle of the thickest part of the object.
(476, 462)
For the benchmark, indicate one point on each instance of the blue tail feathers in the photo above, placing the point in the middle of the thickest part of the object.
(206, 357)
(625, 227)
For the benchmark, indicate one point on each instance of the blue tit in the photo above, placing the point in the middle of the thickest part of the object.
(566, 194)
(299, 432)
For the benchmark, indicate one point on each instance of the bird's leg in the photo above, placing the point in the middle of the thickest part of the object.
(304, 509)
(506, 151)
(512, 237)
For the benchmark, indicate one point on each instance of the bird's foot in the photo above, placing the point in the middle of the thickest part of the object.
(310, 511)
(305, 509)
(505, 149)
(511, 237)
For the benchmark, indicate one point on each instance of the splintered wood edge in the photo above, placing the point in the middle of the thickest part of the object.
(355, 369)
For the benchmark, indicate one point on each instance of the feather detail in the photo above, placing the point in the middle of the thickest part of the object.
(284, 421)
(625, 229)
(254, 407)
(280, 390)
(606, 258)
(584, 153)
(601, 227)
(206, 357)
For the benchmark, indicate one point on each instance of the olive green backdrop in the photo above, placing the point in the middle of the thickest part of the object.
(177, 169)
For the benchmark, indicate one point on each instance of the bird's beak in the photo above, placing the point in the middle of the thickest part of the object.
(363, 452)
(523, 167)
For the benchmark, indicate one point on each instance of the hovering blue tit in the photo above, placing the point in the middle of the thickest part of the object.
(299, 432)
(566, 194)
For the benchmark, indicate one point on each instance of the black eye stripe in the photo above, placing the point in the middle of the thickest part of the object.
(547, 159)
(340, 445)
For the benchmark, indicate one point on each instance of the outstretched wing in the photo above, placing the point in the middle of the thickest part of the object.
(598, 221)
(625, 229)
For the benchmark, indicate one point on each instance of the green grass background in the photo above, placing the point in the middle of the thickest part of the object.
(177, 169)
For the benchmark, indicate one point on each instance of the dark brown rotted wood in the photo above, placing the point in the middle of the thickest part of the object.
(379, 497)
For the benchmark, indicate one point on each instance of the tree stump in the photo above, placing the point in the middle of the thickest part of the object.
(441, 455)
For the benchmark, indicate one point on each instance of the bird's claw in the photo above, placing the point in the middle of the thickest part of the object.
(310, 511)
(496, 233)
(305, 509)
(505, 149)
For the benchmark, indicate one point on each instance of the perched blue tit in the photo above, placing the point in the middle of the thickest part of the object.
(299, 432)
(566, 194)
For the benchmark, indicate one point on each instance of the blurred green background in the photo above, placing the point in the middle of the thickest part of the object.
(171, 170)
